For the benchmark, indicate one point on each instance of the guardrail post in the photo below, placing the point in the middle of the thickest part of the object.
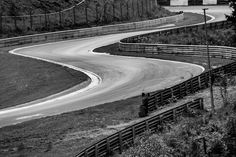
(120, 143)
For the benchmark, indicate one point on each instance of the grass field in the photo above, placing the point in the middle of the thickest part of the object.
(23, 80)
(67, 134)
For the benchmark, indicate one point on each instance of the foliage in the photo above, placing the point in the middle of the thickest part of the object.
(232, 17)
(192, 136)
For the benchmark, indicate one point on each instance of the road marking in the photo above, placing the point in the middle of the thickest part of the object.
(29, 117)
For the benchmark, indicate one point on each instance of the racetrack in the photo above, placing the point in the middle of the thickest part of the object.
(122, 77)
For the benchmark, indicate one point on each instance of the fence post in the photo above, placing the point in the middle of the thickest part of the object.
(201, 104)
(85, 153)
(180, 93)
(120, 142)
(96, 150)
(97, 20)
(132, 9)
(1, 21)
(191, 84)
(45, 19)
(133, 133)
(86, 13)
(31, 20)
(138, 12)
(146, 7)
(147, 125)
(74, 15)
(206, 79)
(172, 93)
(161, 97)
(108, 146)
(204, 145)
(186, 88)
(121, 14)
(127, 7)
(60, 18)
(174, 114)
(113, 11)
(142, 8)
(199, 83)
(15, 22)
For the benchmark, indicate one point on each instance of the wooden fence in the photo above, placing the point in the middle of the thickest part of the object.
(193, 85)
(125, 138)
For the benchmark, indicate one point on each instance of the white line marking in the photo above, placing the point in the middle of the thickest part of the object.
(29, 117)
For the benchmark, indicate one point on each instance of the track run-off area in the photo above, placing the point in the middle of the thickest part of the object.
(113, 77)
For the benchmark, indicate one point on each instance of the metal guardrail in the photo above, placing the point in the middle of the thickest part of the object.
(125, 137)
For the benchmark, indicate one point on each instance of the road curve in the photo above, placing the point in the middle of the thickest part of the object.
(122, 77)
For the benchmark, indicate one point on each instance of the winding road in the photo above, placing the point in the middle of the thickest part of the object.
(114, 77)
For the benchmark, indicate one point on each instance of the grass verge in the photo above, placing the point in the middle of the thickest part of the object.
(23, 79)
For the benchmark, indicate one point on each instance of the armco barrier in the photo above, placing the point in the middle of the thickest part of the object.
(87, 32)
(194, 84)
(125, 137)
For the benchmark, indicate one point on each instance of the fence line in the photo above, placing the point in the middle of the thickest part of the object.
(159, 98)
(84, 14)
(125, 138)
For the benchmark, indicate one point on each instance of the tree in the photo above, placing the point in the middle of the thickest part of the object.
(232, 17)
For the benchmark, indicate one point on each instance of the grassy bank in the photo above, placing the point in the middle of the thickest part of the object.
(23, 80)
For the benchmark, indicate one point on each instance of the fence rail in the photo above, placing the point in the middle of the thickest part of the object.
(162, 97)
(124, 138)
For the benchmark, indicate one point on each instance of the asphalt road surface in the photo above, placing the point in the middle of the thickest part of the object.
(113, 77)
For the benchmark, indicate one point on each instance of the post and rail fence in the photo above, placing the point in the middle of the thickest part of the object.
(123, 139)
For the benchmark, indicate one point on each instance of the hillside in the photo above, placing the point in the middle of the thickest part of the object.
(38, 6)
(16, 19)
